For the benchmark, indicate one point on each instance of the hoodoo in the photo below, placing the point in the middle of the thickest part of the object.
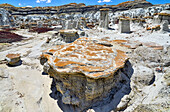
(85, 72)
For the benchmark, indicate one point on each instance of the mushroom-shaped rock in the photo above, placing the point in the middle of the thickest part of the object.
(13, 59)
(85, 71)
(164, 15)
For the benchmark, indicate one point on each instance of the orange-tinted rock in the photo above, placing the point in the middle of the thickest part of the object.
(85, 71)
(13, 59)
(98, 58)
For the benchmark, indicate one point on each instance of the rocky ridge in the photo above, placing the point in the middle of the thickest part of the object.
(73, 7)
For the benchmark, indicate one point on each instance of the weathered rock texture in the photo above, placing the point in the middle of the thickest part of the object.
(124, 26)
(85, 72)
(104, 20)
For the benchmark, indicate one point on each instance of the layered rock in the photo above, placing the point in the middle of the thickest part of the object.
(124, 26)
(85, 72)
(76, 8)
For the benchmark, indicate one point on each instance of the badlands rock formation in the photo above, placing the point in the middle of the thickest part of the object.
(68, 35)
(104, 21)
(124, 26)
(108, 58)
(5, 18)
(81, 73)
(165, 26)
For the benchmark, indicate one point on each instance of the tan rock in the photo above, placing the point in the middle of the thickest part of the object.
(13, 59)
(84, 71)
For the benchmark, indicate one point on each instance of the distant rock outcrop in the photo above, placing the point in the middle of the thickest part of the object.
(5, 18)
(73, 7)
(124, 26)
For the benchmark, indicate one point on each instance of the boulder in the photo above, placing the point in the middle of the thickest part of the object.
(143, 75)
(13, 59)
(83, 74)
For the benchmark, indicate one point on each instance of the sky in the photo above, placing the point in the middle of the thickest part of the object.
(34, 3)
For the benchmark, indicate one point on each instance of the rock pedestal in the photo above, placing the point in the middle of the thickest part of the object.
(83, 74)
(164, 15)
(124, 26)
(104, 21)
(13, 59)
(69, 35)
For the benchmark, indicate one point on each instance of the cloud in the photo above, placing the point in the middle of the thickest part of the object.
(104, 1)
(47, 1)
(38, 1)
(107, 1)
(28, 6)
(19, 4)
(99, 1)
